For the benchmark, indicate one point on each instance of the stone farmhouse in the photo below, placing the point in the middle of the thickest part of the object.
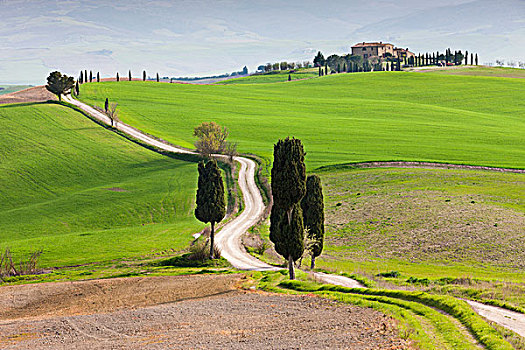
(380, 50)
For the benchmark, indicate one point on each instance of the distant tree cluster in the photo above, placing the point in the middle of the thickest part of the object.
(282, 66)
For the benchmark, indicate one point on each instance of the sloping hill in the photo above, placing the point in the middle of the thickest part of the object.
(82, 194)
(342, 118)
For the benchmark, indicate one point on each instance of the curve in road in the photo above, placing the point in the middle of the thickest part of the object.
(229, 237)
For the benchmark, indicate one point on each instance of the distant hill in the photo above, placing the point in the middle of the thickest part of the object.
(7, 89)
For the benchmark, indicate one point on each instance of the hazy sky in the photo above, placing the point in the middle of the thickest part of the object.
(200, 37)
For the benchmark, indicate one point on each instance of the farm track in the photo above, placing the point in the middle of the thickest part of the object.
(229, 237)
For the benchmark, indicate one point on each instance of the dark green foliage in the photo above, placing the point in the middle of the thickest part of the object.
(90, 76)
(312, 205)
(158, 79)
(59, 84)
(129, 75)
(143, 75)
(288, 188)
(81, 78)
(106, 105)
(476, 59)
(320, 72)
(98, 77)
(287, 236)
(288, 173)
(289, 77)
(85, 76)
(211, 203)
(319, 60)
(118, 78)
(77, 89)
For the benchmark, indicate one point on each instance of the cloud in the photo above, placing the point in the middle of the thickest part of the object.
(102, 52)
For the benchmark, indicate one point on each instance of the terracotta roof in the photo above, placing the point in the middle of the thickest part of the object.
(363, 44)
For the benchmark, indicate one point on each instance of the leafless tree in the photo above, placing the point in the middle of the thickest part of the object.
(231, 150)
(112, 114)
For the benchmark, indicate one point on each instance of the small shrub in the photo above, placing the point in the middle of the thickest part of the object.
(416, 280)
(390, 274)
(9, 268)
(261, 247)
(200, 251)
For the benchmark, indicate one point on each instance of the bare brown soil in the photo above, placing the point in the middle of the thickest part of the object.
(33, 94)
(182, 312)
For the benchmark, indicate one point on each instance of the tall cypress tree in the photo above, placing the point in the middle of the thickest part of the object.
(118, 78)
(313, 215)
(211, 204)
(472, 59)
(98, 77)
(289, 77)
(466, 58)
(143, 75)
(320, 74)
(81, 78)
(106, 105)
(85, 76)
(77, 89)
(90, 76)
(158, 79)
(288, 188)
(129, 75)
(476, 59)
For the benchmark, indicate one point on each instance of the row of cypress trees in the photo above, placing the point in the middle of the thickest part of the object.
(84, 78)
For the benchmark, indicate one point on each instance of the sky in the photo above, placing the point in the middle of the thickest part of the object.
(201, 37)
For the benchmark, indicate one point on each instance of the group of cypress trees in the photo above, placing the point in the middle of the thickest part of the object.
(432, 59)
(83, 77)
(297, 202)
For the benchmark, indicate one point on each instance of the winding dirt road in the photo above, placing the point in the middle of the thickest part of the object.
(229, 237)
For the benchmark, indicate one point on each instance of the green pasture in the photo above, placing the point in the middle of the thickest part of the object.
(82, 193)
(274, 77)
(341, 118)
(431, 225)
(502, 72)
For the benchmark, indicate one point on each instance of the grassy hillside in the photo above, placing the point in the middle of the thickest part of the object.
(502, 72)
(82, 194)
(429, 224)
(341, 118)
(273, 77)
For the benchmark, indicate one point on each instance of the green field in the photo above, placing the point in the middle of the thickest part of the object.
(502, 72)
(341, 118)
(7, 89)
(429, 224)
(274, 77)
(83, 194)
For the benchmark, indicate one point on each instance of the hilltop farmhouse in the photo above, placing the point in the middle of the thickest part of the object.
(380, 50)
